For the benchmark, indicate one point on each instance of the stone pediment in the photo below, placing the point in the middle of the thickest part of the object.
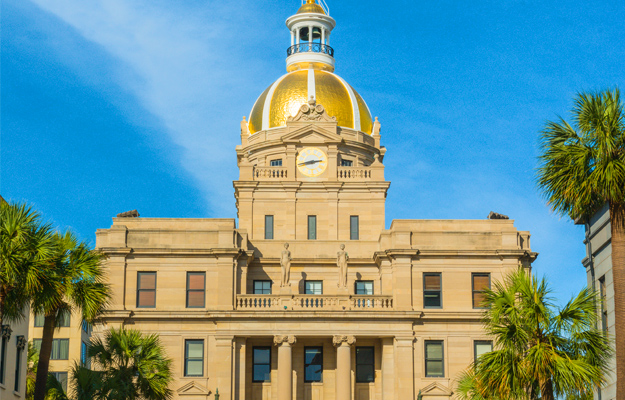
(311, 134)
(311, 112)
(193, 389)
(436, 389)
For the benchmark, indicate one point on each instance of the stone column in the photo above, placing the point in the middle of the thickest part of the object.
(343, 345)
(285, 366)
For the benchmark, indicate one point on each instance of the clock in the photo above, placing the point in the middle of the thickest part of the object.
(311, 161)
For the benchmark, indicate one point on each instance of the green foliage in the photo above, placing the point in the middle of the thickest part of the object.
(26, 244)
(582, 165)
(31, 370)
(54, 389)
(127, 365)
(540, 351)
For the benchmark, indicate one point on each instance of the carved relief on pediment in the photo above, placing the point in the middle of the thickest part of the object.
(311, 112)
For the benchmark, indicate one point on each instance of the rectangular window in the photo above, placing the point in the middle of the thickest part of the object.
(432, 290)
(196, 289)
(146, 289)
(434, 359)
(3, 357)
(312, 227)
(262, 287)
(261, 364)
(313, 287)
(268, 226)
(481, 347)
(194, 357)
(604, 308)
(480, 282)
(62, 322)
(313, 364)
(18, 364)
(365, 370)
(364, 288)
(60, 348)
(353, 227)
(84, 356)
(276, 163)
(62, 378)
(346, 163)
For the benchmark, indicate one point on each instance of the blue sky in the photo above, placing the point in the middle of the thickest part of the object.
(111, 105)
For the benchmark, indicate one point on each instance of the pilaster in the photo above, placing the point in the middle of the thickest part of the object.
(404, 367)
(223, 363)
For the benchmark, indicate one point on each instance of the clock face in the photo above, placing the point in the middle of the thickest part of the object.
(311, 161)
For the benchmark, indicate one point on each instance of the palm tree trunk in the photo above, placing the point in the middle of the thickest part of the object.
(546, 389)
(44, 356)
(617, 220)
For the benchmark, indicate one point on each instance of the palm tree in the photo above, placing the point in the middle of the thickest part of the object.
(26, 244)
(127, 366)
(582, 168)
(540, 351)
(74, 282)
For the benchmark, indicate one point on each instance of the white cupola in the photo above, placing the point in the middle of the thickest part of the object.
(310, 37)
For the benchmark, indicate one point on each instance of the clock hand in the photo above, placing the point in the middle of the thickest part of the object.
(309, 162)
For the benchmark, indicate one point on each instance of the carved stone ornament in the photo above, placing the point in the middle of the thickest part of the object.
(21, 342)
(284, 339)
(312, 112)
(494, 215)
(338, 340)
(129, 214)
(6, 332)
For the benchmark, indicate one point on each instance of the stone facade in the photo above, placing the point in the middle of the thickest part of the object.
(13, 358)
(349, 309)
(598, 265)
(70, 344)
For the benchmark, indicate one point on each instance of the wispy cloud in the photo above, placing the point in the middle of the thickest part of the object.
(189, 67)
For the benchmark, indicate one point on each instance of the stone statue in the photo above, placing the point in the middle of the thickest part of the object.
(285, 264)
(341, 261)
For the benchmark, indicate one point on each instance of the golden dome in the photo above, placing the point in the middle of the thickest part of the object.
(310, 7)
(285, 96)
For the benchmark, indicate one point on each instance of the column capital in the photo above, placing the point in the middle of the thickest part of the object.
(338, 340)
(6, 332)
(280, 340)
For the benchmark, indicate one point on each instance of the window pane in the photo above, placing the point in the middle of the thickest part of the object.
(262, 373)
(261, 356)
(364, 355)
(481, 282)
(63, 349)
(482, 347)
(313, 287)
(432, 299)
(195, 298)
(365, 373)
(353, 227)
(434, 368)
(313, 373)
(147, 298)
(276, 163)
(39, 318)
(195, 349)
(478, 299)
(432, 282)
(364, 287)
(196, 280)
(147, 280)
(312, 227)
(268, 226)
(37, 344)
(194, 367)
(346, 163)
(64, 319)
(434, 351)
(62, 378)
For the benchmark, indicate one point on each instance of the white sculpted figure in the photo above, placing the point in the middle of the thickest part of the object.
(341, 260)
(285, 264)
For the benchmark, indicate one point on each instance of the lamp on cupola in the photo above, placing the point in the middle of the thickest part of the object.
(310, 38)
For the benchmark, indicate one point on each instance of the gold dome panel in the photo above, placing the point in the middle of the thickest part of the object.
(284, 97)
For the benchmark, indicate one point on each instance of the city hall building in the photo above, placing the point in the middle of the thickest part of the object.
(308, 295)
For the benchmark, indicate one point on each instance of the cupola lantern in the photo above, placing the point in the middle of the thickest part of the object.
(310, 37)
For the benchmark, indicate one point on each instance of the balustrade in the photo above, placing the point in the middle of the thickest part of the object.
(269, 173)
(311, 302)
(354, 173)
